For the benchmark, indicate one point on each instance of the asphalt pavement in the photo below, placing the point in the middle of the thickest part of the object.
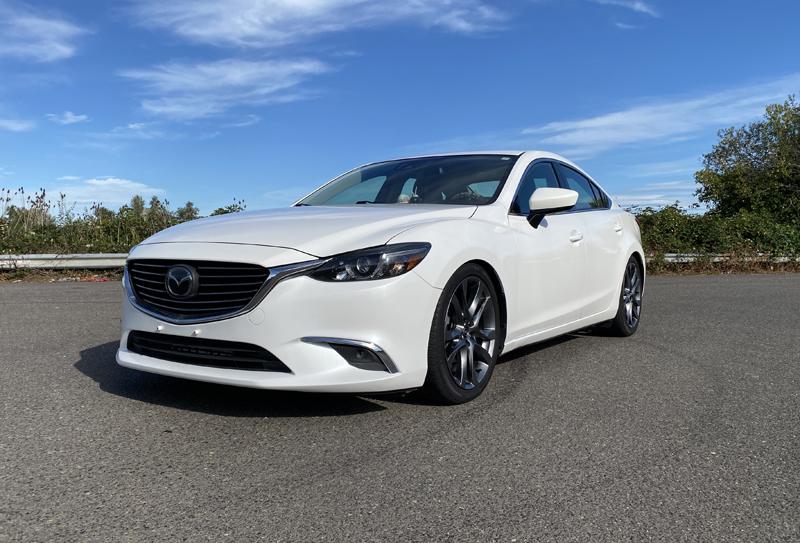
(687, 431)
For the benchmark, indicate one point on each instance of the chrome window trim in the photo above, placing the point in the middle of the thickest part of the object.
(276, 275)
(384, 358)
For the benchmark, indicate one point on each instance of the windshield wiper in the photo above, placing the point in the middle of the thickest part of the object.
(364, 202)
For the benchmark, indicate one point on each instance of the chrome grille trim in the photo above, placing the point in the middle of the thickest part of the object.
(274, 276)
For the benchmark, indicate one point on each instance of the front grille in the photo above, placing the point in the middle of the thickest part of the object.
(205, 352)
(225, 288)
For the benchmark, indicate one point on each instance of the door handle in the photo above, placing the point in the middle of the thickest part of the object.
(618, 227)
(575, 236)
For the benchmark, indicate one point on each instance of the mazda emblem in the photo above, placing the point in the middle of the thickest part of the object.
(182, 282)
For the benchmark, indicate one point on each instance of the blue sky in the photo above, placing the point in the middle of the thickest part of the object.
(211, 100)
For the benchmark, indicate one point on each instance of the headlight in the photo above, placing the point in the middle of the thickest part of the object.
(375, 263)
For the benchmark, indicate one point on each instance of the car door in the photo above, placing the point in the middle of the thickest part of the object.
(551, 260)
(602, 239)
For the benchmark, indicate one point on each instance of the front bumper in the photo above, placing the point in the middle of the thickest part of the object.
(394, 314)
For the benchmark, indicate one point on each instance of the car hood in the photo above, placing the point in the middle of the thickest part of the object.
(318, 231)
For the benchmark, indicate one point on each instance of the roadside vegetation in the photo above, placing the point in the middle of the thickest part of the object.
(750, 180)
(751, 183)
(33, 224)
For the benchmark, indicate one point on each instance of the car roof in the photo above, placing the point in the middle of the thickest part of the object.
(533, 155)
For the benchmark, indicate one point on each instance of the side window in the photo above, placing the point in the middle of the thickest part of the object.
(538, 176)
(604, 196)
(589, 195)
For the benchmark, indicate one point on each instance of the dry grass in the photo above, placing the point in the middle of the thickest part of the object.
(56, 276)
(743, 264)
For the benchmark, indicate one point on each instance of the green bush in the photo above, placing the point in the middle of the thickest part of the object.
(33, 225)
(675, 230)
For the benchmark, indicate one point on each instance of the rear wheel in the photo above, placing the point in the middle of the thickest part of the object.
(629, 313)
(465, 341)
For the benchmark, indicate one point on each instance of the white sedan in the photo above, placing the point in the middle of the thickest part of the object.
(407, 274)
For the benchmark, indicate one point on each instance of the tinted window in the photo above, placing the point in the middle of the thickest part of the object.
(589, 195)
(486, 189)
(365, 191)
(407, 192)
(454, 180)
(538, 176)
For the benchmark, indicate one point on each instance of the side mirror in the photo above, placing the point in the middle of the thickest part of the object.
(547, 200)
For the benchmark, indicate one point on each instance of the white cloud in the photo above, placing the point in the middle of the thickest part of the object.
(68, 178)
(663, 168)
(134, 131)
(16, 125)
(347, 54)
(30, 34)
(637, 6)
(657, 194)
(662, 121)
(191, 91)
(250, 121)
(668, 186)
(623, 26)
(109, 191)
(67, 118)
(262, 23)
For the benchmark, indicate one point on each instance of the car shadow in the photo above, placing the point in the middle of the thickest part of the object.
(99, 364)
(528, 350)
(417, 398)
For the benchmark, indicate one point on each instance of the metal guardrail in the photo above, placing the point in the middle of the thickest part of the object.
(117, 260)
(64, 262)
(694, 257)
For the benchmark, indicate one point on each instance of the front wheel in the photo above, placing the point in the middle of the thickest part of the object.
(629, 313)
(466, 338)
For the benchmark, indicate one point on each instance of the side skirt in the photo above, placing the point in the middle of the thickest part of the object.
(550, 333)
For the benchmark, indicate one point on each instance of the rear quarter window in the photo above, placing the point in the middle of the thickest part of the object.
(589, 195)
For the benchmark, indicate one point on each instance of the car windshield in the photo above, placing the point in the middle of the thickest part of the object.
(453, 180)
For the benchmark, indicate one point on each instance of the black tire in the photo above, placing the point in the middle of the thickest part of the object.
(629, 314)
(467, 330)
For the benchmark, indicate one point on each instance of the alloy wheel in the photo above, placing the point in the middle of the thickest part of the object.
(632, 294)
(470, 333)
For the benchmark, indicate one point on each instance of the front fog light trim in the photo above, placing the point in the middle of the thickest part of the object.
(348, 347)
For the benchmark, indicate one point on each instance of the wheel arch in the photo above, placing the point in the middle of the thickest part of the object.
(640, 259)
(501, 295)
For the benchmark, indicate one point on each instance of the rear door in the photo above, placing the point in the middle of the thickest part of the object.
(551, 260)
(602, 238)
